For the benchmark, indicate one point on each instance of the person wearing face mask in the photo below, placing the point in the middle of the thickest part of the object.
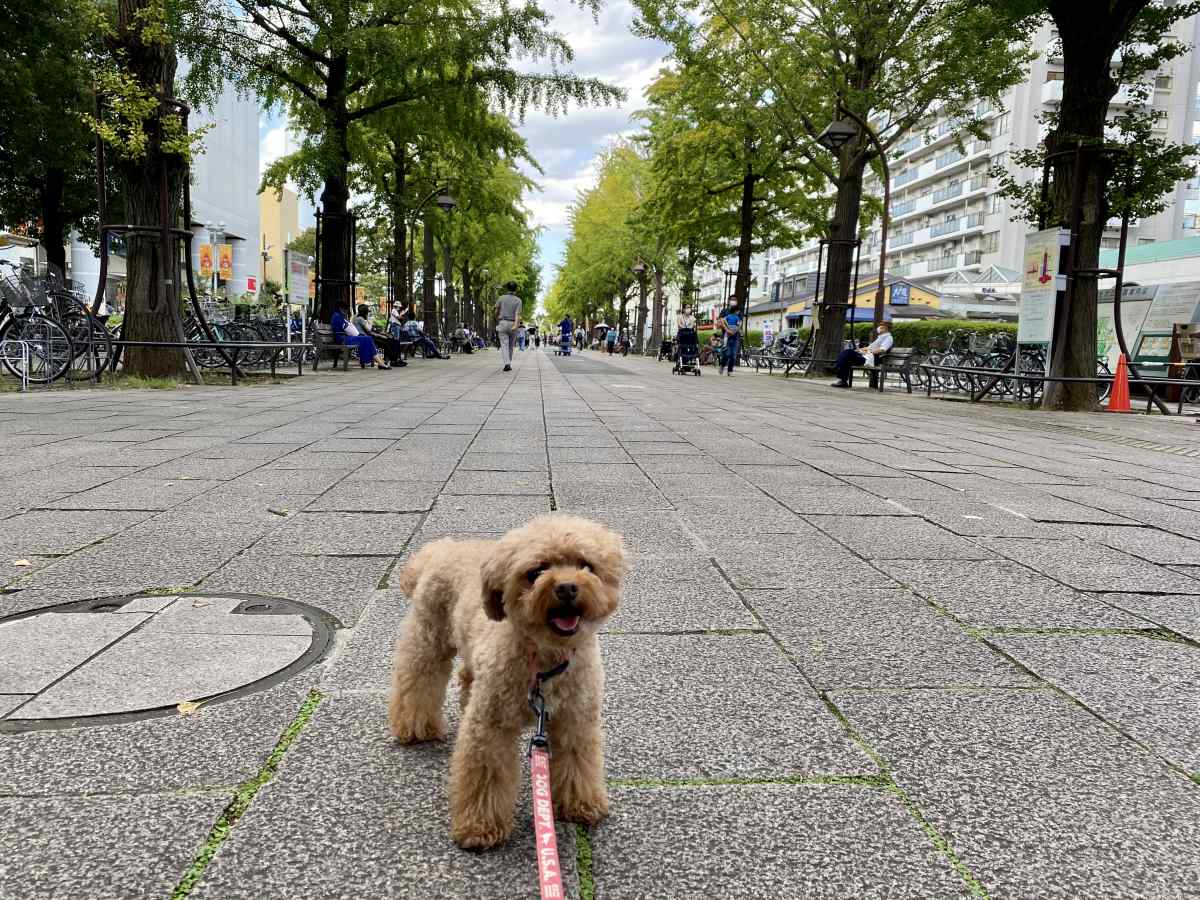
(730, 324)
(849, 358)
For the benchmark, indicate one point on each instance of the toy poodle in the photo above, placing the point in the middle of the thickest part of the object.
(511, 608)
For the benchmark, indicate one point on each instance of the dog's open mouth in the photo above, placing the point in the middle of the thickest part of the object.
(564, 621)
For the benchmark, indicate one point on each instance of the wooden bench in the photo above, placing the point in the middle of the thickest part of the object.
(897, 361)
(325, 346)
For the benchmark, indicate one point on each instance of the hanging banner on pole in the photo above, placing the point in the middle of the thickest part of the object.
(206, 260)
(226, 260)
(1041, 282)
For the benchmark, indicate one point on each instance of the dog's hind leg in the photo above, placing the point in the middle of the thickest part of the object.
(420, 674)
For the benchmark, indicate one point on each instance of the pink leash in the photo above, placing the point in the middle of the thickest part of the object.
(545, 840)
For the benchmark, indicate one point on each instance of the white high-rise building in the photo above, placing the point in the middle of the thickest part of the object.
(951, 231)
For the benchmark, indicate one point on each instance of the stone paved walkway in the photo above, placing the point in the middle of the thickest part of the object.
(870, 647)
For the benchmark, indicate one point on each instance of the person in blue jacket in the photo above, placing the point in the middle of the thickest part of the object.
(730, 324)
(345, 332)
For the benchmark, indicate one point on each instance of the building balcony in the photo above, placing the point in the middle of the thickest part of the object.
(905, 177)
(1127, 94)
(903, 239)
(900, 209)
(943, 228)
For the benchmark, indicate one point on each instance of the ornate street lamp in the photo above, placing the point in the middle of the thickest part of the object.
(836, 135)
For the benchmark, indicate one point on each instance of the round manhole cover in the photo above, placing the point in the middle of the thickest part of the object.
(126, 658)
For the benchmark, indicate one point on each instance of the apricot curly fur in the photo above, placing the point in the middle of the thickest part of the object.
(502, 606)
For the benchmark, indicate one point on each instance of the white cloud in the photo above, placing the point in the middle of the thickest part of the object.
(272, 145)
(566, 146)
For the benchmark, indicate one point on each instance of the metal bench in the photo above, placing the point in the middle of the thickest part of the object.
(897, 361)
(326, 346)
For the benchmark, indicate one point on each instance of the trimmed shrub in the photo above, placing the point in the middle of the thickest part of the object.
(919, 334)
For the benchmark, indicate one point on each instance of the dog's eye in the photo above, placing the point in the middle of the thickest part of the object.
(586, 566)
(534, 574)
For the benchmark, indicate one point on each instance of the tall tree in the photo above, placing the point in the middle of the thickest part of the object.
(887, 64)
(145, 131)
(1117, 42)
(335, 63)
(47, 155)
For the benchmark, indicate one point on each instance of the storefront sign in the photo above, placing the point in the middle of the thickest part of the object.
(900, 294)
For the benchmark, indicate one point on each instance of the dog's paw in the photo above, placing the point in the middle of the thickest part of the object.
(589, 811)
(479, 835)
(415, 732)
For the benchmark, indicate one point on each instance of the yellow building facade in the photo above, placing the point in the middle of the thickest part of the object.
(906, 292)
(279, 213)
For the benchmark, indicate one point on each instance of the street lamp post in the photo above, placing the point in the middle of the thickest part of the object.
(445, 202)
(835, 135)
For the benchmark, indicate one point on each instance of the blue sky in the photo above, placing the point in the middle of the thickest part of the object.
(565, 146)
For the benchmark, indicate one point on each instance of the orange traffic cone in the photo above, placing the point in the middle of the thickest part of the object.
(1118, 400)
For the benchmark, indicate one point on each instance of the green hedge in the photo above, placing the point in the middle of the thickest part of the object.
(753, 338)
(918, 334)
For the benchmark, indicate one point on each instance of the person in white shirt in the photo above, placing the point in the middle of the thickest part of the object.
(684, 320)
(849, 358)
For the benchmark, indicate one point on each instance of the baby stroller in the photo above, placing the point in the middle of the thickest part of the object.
(564, 347)
(687, 352)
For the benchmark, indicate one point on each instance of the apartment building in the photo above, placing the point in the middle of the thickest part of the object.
(951, 230)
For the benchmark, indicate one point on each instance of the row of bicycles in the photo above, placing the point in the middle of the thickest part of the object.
(977, 362)
(48, 332)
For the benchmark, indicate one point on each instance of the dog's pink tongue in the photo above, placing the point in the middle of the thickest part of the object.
(566, 624)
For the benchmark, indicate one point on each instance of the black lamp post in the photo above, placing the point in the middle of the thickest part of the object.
(834, 137)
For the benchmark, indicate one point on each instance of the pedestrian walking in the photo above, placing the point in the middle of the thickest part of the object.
(610, 340)
(508, 315)
(730, 324)
(522, 333)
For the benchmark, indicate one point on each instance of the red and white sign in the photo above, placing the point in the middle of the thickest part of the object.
(251, 283)
(549, 870)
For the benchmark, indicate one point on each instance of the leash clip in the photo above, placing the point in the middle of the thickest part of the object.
(537, 703)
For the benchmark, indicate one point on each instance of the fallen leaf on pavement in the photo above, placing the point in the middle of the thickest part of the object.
(189, 707)
(22, 562)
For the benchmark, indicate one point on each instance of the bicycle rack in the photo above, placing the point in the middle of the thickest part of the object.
(21, 354)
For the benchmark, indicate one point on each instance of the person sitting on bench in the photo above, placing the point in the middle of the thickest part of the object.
(428, 348)
(849, 358)
(392, 351)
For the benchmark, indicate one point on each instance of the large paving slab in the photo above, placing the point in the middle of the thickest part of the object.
(106, 848)
(1036, 796)
(750, 841)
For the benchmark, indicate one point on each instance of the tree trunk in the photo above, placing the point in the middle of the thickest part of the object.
(54, 226)
(449, 299)
(148, 305)
(839, 266)
(640, 337)
(656, 326)
(337, 237)
(429, 273)
(1087, 90)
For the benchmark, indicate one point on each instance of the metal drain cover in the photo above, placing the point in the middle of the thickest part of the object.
(126, 658)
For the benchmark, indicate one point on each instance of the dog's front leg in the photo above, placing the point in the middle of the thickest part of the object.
(577, 764)
(485, 772)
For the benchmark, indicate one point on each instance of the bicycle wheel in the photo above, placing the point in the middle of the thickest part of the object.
(50, 352)
(90, 341)
(1103, 390)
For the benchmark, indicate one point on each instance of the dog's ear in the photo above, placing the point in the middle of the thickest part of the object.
(492, 575)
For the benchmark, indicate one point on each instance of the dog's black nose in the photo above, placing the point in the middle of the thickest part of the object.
(566, 591)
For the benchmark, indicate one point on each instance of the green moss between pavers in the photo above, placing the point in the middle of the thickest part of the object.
(244, 796)
(1153, 634)
(583, 863)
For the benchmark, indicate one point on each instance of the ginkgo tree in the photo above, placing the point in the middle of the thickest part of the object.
(334, 64)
